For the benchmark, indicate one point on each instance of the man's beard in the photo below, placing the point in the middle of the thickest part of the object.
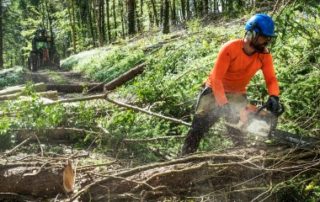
(260, 48)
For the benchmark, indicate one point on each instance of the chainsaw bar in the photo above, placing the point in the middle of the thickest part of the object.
(295, 139)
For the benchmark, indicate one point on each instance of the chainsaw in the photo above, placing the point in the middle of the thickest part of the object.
(257, 123)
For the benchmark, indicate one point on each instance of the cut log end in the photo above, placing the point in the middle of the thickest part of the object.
(69, 177)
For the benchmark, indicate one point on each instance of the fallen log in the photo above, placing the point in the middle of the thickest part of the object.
(251, 174)
(38, 87)
(121, 79)
(125, 77)
(36, 178)
(52, 135)
(75, 88)
(154, 139)
(53, 95)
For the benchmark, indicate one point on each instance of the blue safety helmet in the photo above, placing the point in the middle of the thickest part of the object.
(262, 24)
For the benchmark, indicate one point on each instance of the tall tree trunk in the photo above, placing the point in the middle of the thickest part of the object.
(140, 27)
(166, 11)
(50, 21)
(1, 36)
(96, 7)
(138, 17)
(101, 22)
(93, 34)
(173, 13)
(161, 12)
(205, 7)
(108, 21)
(114, 18)
(122, 20)
(73, 25)
(188, 10)
(222, 6)
(151, 17)
(215, 6)
(183, 9)
(200, 8)
(155, 14)
(195, 8)
(131, 17)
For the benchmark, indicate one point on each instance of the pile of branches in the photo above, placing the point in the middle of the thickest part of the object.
(252, 174)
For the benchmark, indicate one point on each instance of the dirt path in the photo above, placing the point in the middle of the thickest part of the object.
(56, 77)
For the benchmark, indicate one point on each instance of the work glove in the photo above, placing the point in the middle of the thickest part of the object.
(273, 105)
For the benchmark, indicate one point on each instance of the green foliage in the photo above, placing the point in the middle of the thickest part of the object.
(83, 116)
(304, 187)
(29, 112)
(131, 125)
(11, 76)
(105, 64)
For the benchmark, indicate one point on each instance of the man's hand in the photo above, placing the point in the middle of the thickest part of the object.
(273, 105)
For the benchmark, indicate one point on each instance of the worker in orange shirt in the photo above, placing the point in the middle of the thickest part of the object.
(225, 92)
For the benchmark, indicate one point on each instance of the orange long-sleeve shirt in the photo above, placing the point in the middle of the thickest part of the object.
(234, 69)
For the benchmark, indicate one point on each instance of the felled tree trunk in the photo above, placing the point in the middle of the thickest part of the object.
(75, 88)
(123, 78)
(52, 135)
(53, 95)
(38, 87)
(246, 174)
(36, 178)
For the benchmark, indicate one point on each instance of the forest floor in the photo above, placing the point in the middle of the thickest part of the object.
(55, 77)
(45, 160)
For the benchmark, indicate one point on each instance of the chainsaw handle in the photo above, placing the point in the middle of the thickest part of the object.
(261, 108)
(278, 113)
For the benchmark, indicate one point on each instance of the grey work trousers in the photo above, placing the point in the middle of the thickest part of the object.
(207, 113)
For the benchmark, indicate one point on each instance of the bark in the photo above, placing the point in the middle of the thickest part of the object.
(122, 19)
(151, 17)
(74, 88)
(71, 12)
(38, 87)
(115, 25)
(239, 175)
(166, 12)
(132, 73)
(183, 9)
(188, 10)
(131, 17)
(92, 32)
(49, 19)
(1, 35)
(195, 7)
(141, 11)
(173, 13)
(205, 7)
(100, 22)
(108, 21)
(155, 14)
(52, 135)
(36, 178)
(53, 95)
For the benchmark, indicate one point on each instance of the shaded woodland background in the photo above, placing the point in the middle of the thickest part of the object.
(79, 25)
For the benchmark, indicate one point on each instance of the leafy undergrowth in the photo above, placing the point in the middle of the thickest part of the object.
(12, 76)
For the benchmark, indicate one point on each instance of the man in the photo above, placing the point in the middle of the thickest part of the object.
(225, 91)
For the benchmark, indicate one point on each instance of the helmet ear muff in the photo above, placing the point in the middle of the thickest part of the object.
(251, 35)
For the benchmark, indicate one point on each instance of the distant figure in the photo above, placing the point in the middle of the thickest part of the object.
(225, 92)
